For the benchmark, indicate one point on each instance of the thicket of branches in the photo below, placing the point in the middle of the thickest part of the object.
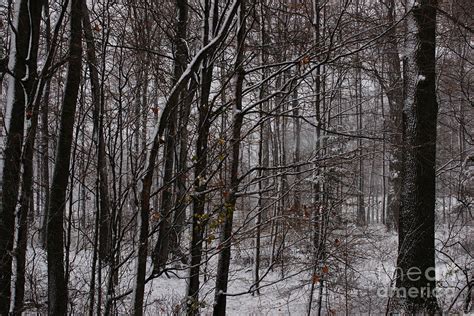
(196, 138)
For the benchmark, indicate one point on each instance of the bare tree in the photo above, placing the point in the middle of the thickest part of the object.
(228, 208)
(20, 85)
(417, 209)
(57, 287)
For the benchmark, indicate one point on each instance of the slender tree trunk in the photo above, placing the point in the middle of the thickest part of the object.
(161, 251)
(223, 264)
(14, 124)
(361, 216)
(395, 102)
(263, 152)
(144, 203)
(198, 222)
(200, 170)
(45, 138)
(98, 114)
(181, 189)
(316, 186)
(297, 156)
(34, 97)
(57, 287)
(417, 210)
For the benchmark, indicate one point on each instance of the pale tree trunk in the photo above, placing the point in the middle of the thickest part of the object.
(263, 153)
(361, 216)
(57, 287)
(222, 276)
(181, 170)
(316, 186)
(395, 102)
(416, 249)
(297, 155)
(274, 133)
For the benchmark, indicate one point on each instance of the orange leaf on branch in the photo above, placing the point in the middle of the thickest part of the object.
(325, 269)
(316, 278)
(305, 60)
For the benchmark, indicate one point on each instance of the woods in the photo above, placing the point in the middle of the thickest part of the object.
(190, 157)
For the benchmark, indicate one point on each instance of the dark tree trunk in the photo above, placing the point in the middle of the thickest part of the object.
(14, 123)
(45, 136)
(199, 203)
(228, 210)
(26, 196)
(57, 287)
(161, 251)
(416, 253)
(98, 105)
(144, 203)
(200, 171)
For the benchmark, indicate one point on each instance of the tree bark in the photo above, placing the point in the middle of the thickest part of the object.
(144, 203)
(395, 99)
(98, 113)
(20, 80)
(161, 251)
(34, 96)
(416, 250)
(57, 287)
(263, 152)
(200, 170)
(228, 210)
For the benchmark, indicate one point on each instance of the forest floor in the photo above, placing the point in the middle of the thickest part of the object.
(356, 279)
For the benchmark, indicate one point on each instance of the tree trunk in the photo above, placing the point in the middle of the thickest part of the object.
(263, 152)
(316, 186)
(200, 170)
(45, 139)
(98, 114)
(222, 275)
(161, 251)
(416, 251)
(57, 287)
(395, 99)
(181, 170)
(14, 124)
(144, 203)
(26, 196)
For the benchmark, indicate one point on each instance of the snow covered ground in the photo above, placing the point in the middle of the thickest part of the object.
(358, 282)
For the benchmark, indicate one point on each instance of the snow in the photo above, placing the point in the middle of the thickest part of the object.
(284, 290)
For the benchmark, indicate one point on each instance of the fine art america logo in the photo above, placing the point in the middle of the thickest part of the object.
(414, 274)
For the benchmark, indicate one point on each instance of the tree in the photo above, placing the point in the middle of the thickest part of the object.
(161, 251)
(394, 93)
(144, 202)
(26, 196)
(222, 277)
(57, 287)
(21, 79)
(416, 251)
